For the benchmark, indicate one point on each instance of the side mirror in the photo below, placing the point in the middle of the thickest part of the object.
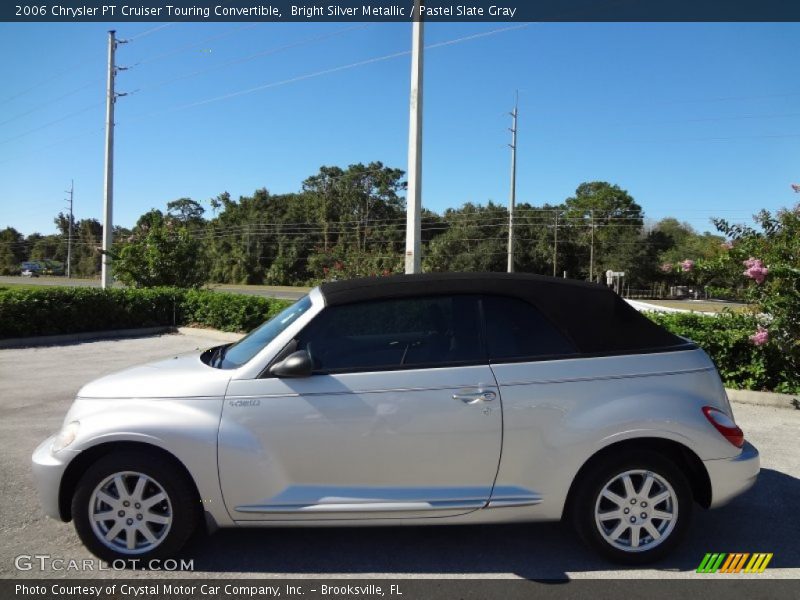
(297, 364)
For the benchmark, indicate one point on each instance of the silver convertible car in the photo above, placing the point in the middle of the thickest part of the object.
(422, 399)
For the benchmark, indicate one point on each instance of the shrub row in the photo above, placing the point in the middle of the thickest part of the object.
(726, 339)
(60, 310)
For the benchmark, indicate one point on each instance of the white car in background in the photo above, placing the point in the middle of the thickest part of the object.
(423, 399)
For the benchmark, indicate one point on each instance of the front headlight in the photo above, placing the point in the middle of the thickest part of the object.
(66, 436)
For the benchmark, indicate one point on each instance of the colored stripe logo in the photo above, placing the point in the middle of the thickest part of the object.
(737, 562)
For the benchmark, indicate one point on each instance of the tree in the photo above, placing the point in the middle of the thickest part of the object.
(359, 213)
(87, 236)
(605, 217)
(12, 251)
(186, 210)
(679, 241)
(685, 256)
(86, 253)
(535, 240)
(350, 221)
(473, 240)
(43, 247)
(160, 251)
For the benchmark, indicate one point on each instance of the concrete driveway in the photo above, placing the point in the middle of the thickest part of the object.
(38, 384)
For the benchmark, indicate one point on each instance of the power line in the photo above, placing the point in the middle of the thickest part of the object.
(149, 31)
(332, 70)
(250, 57)
(54, 144)
(50, 102)
(49, 123)
(182, 49)
(76, 67)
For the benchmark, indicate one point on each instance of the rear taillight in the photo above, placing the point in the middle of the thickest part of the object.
(725, 425)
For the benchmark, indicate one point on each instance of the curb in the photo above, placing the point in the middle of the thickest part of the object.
(38, 341)
(647, 307)
(763, 399)
(87, 336)
(212, 334)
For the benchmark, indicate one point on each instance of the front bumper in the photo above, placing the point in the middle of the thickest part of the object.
(733, 476)
(48, 469)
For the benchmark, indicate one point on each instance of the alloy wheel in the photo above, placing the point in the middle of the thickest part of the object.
(130, 512)
(636, 510)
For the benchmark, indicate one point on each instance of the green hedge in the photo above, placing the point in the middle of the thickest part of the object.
(229, 312)
(51, 311)
(726, 339)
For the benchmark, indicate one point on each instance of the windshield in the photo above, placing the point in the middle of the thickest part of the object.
(237, 354)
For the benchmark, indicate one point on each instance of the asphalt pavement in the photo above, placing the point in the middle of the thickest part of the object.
(37, 386)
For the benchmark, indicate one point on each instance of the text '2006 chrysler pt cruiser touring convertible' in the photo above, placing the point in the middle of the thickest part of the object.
(421, 399)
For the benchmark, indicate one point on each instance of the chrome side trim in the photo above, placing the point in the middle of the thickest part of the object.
(508, 502)
(502, 496)
(359, 507)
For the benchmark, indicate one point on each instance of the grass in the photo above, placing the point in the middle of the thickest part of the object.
(22, 286)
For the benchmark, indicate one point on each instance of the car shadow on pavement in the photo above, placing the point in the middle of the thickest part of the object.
(765, 519)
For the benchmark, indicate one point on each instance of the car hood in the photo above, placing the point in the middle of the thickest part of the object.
(179, 377)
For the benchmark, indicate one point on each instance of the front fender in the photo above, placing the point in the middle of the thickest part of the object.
(184, 427)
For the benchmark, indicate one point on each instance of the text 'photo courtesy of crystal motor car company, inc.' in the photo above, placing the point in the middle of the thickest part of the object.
(421, 399)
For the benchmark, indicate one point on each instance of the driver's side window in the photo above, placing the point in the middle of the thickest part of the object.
(396, 333)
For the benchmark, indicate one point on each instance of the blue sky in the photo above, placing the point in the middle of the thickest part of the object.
(694, 120)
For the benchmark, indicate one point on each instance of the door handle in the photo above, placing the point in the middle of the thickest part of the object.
(475, 398)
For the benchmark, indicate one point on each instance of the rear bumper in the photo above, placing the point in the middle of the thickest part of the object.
(48, 468)
(733, 476)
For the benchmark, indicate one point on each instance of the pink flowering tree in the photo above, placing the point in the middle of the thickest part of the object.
(768, 259)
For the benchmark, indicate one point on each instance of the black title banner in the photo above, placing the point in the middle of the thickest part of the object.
(403, 10)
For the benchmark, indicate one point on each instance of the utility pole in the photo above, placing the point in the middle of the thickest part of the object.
(108, 198)
(555, 246)
(591, 249)
(414, 193)
(512, 198)
(71, 192)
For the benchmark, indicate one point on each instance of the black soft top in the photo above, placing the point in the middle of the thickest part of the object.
(596, 319)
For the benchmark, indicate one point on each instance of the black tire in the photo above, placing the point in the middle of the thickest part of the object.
(587, 495)
(182, 506)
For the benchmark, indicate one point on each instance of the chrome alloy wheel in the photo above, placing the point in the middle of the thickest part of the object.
(636, 511)
(130, 512)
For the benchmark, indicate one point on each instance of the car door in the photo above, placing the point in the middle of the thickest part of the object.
(400, 418)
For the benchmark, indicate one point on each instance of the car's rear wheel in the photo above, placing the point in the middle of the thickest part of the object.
(633, 510)
(134, 506)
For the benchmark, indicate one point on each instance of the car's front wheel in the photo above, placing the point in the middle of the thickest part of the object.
(633, 510)
(134, 506)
